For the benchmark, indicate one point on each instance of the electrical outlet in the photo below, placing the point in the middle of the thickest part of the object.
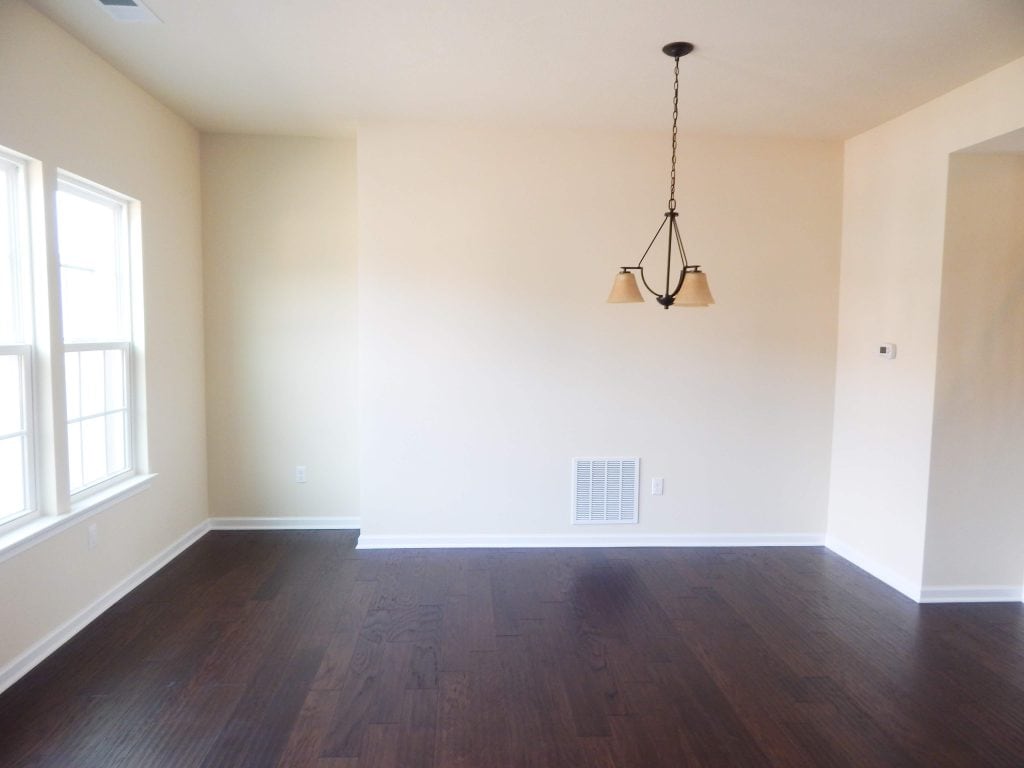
(657, 486)
(93, 535)
(300, 474)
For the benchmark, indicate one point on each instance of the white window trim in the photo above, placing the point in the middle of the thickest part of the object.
(38, 527)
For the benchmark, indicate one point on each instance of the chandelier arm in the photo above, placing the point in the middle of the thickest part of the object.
(679, 239)
(679, 285)
(648, 285)
(668, 258)
(682, 258)
(650, 244)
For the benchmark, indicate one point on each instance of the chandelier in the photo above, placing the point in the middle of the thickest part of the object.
(691, 288)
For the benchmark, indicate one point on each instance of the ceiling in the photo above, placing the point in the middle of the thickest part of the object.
(828, 68)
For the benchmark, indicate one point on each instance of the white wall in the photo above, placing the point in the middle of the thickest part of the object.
(279, 242)
(894, 204)
(975, 534)
(64, 106)
(488, 358)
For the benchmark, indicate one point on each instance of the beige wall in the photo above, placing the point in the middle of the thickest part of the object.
(279, 241)
(894, 205)
(66, 107)
(975, 535)
(488, 358)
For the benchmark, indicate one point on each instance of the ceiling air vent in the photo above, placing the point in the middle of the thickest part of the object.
(605, 490)
(128, 10)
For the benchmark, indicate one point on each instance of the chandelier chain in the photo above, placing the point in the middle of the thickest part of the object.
(675, 130)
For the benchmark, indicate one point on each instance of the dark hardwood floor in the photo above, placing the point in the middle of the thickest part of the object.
(294, 649)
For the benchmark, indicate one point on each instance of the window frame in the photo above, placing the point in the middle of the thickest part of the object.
(23, 346)
(123, 341)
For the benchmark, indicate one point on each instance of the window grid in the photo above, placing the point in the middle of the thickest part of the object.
(113, 417)
(18, 435)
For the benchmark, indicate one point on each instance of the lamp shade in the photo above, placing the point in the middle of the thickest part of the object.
(695, 291)
(624, 289)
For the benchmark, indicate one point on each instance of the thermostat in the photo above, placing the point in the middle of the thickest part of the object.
(887, 350)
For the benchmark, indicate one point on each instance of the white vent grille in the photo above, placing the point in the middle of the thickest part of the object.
(605, 490)
(128, 10)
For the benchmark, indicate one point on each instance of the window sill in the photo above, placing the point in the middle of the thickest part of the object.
(42, 527)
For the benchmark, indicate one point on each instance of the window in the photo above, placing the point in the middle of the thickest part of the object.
(93, 243)
(83, 310)
(17, 476)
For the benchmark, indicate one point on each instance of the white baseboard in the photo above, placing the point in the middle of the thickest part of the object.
(880, 572)
(591, 540)
(22, 664)
(984, 594)
(283, 523)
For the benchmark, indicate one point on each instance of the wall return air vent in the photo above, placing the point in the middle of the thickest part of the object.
(605, 490)
(128, 10)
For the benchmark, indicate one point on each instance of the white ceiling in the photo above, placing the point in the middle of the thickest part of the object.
(829, 68)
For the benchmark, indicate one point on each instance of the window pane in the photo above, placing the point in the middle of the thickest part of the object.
(89, 303)
(115, 382)
(81, 311)
(94, 450)
(73, 385)
(12, 476)
(98, 441)
(10, 395)
(92, 373)
(8, 263)
(116, 444)
(89, 236)
(87, 231)
(75, 455)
